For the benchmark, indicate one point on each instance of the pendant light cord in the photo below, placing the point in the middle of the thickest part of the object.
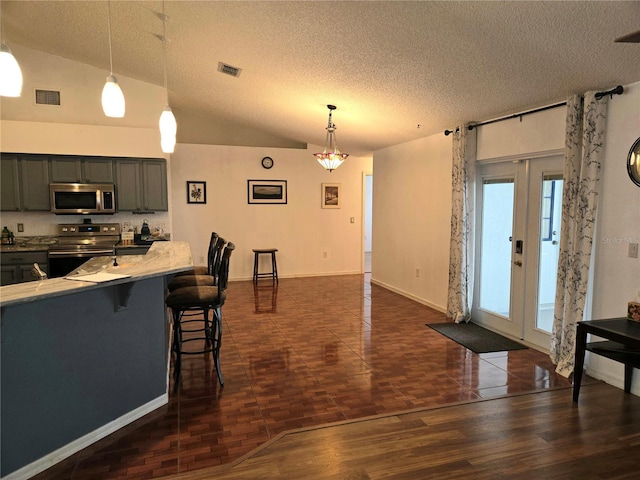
(110, 52)
(1, 25)
(164, 49)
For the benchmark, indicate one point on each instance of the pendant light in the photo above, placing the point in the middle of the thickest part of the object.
(10, 73)
(331, 158)
(112, 96)
(168, 125)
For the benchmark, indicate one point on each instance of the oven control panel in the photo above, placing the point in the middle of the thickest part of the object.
(88, 229)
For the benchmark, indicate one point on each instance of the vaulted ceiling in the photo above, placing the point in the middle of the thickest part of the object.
(388, 66)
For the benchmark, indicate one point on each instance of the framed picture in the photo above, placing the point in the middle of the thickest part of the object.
(196, 192)
(331, 195)
(267, 191)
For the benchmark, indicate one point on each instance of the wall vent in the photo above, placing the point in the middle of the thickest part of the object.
(229, 70)
(47, 97)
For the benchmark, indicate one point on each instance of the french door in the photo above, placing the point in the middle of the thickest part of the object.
(517, 244)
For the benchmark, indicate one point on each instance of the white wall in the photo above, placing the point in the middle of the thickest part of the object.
(530, 134)
(301, 229)
(412, 219)
(616, 276)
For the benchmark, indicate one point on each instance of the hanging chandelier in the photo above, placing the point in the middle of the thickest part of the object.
(331, 158)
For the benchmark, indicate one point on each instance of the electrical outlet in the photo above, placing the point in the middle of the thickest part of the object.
(21, 227)
(325, 254)
(352, 220)
(201, 258)
(633, 250)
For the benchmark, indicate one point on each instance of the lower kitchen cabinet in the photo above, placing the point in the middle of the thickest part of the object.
(16, 267)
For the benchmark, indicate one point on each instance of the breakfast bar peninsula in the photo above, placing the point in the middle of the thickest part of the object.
(84, 355)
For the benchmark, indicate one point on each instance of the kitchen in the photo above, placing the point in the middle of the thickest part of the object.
(79, 187)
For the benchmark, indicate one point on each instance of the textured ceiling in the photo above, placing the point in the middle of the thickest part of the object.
(388, 66)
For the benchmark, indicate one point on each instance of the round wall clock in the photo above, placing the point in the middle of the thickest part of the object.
(267, 162)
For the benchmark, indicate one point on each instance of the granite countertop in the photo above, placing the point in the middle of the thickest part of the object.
(30, 244)
(163, 258)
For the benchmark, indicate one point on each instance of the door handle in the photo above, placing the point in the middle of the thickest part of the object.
(518, 263)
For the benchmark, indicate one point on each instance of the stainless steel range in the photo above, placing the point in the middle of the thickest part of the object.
(77, 243)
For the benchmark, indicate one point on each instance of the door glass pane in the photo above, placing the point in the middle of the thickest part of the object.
(495, 245)
(550, 217)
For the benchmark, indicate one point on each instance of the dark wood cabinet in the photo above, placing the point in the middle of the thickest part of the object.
(81, 169)
(141, 185)
(16, 267)
(25, 182)
(35, 182)
(10, 178)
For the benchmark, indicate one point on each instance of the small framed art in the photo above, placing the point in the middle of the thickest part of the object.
(272, 192)
(331, 195)
(196, 192)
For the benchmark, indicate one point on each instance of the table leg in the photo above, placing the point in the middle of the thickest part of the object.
(581, 345)
(628, 376)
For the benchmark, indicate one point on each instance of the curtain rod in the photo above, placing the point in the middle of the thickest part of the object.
(614, 91)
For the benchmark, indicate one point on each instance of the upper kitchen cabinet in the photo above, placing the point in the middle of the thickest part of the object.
(34, 170)
(141, 185)
(25, 182)
(154, 185)
(10, 178)
(81, 170)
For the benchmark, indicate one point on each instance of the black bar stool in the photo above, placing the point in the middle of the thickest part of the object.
(256, 261)
(202, 279)
(205, 299)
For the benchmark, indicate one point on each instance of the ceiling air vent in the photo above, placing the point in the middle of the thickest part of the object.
(47, 97)
(229, 70)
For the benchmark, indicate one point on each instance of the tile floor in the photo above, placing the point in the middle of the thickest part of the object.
(314, 350)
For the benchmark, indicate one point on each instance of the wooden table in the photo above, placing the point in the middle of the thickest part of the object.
(622, 345)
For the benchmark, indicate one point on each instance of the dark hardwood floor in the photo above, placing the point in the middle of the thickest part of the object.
(316, 351)
(540, 435)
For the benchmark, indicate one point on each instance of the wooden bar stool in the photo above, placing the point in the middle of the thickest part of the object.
(256, 261)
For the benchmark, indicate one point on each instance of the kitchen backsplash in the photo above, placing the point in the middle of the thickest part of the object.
(44, 223)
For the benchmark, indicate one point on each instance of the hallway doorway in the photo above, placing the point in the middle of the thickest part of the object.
(367, 220)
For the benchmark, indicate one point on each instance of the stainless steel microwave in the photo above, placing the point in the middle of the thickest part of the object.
(82, 198)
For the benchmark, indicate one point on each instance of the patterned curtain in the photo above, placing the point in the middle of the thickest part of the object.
(584, 152)
(460, 291)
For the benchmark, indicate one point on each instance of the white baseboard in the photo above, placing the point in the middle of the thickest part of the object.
(610, 372)
(60, 454)
(301, 275)
(422, 301)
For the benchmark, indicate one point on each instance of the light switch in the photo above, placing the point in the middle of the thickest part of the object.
(633, 250)
(352, 220)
